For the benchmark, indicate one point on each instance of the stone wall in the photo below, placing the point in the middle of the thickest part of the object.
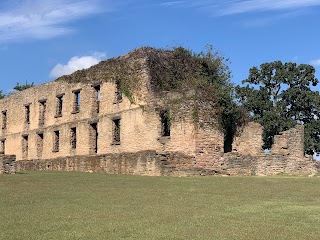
(7, 164)
(266, 165)
(248, 139)
(286, 155)
(155, 163)
(290, 143)
(84, 122)
(147, 163)
(317, 165)
(141, 163)
(22, 138)
(76, 115)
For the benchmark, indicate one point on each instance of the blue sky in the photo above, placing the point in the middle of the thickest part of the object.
(43, 39)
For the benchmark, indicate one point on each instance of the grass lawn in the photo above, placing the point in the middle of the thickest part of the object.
(72, 205)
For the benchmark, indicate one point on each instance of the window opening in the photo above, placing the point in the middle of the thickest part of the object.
(116, 131)
(228, 140)
(59, 105)
(56, 140)
(27, 114)
(25, 146)
(42, 112)
(2, 146)
(94, 137)
(73, 138)
(97, 94)
(4, 119)
(39, 145)
(165, 123)
(76, 101)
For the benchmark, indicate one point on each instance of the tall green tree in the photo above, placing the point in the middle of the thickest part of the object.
(280, 96)
(22, 87)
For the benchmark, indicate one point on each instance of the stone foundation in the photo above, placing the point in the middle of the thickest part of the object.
(151, 163)
(141, 163)
(267, 165)
(7, 164)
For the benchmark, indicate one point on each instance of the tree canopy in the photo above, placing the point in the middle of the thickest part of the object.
(22, 87)
(19, 87)
(2, 95)
(280, 96)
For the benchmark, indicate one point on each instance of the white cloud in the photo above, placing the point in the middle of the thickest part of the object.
(229, 7)
(42, 19)
(315, 62)
(295, 58)
(174, 3)
(266, 5)
(76, 63)
(261, 21)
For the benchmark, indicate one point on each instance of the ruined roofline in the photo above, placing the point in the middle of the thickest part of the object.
(137, 53)
(159, 64)
(158, 70)
(114, 66)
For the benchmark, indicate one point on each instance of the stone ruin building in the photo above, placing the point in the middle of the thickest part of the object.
(86, 121)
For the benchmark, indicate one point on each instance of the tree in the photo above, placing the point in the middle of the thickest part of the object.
(22, 87)
(2, 95)
(279, 96)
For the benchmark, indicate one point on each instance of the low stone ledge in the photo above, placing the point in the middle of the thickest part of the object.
(148, 163)
(267, 165)
(152, 163)
(7, 164)
(141, 163)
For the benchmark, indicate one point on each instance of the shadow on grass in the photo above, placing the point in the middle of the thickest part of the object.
(22, 173)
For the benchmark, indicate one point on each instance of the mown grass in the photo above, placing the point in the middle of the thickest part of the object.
(72, 205)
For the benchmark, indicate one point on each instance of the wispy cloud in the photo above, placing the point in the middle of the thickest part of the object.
(229, 7)
(76, 63)
(261, 21)
(315, 62)
(266, 5)
(42, 19)
(174, 3)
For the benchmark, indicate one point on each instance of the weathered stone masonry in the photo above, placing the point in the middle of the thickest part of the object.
(7, 164)
(285, 157)
(84, 122)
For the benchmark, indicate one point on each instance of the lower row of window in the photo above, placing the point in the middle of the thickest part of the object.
(93, 139)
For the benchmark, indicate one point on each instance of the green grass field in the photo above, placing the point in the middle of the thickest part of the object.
(72, 205)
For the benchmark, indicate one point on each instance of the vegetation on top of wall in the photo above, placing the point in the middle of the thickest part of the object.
(124, 70)
(202, 78)
(20, 87)
(2, 95)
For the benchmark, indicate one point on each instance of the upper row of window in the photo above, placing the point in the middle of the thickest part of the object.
(59, 105)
